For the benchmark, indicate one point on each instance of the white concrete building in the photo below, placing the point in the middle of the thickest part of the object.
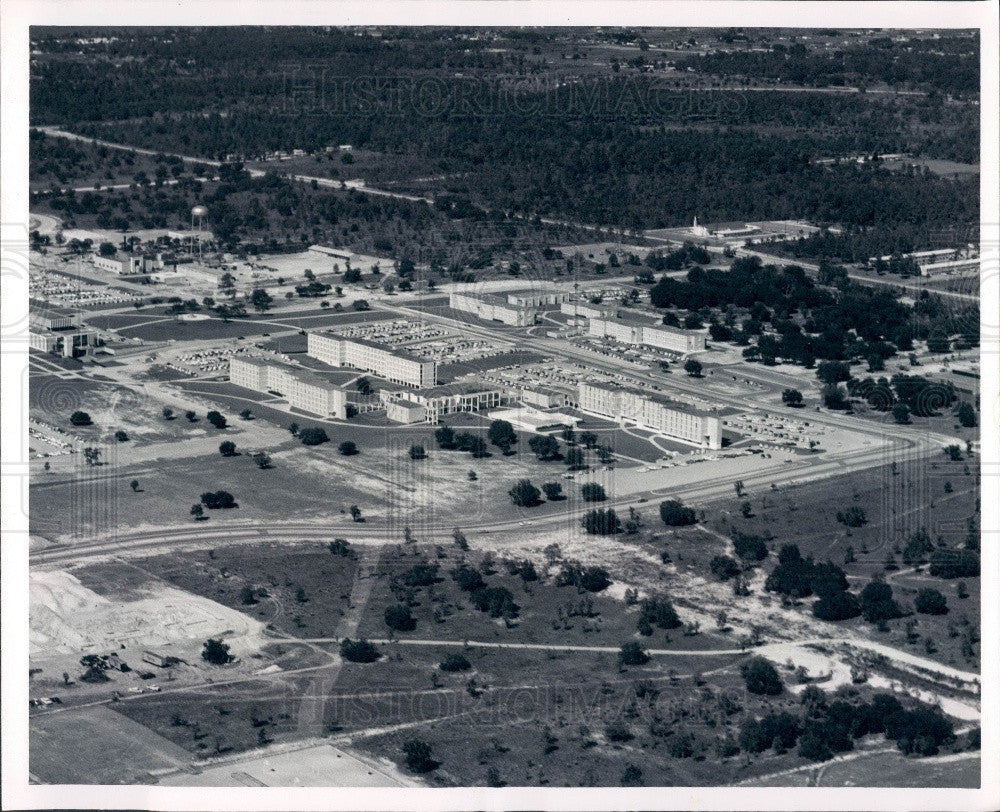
(397, 366)
(405, 411)
(646, 334)
(587, 310)
(59, 331)
(438, 401)
(491, 307)
(650, 410)
(303, 389)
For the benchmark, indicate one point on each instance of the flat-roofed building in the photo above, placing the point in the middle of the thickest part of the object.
(537, 297)
(535, 420)
(304, 390)
(59, 331)
(394, 365)
(588, 310)
(129, 264)
(492, 307)
(548, 397)
(653, 411)
(438, 401)
(640, 332)
(405, 411)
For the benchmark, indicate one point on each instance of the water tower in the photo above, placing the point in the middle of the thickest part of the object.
(198, 213)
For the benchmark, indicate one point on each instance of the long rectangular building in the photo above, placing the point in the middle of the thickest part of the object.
(303, 389)
(404, 407)
(653, 411)
(490, 307)
(646, 334)
(397, 366)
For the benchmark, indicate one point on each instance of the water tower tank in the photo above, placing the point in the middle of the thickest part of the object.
(199, 211)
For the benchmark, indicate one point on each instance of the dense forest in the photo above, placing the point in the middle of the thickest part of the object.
(621, 149)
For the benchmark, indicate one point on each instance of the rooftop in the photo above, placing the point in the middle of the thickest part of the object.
(396, 351)
(655, 397)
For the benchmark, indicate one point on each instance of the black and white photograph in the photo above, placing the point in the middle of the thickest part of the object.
(496, 411)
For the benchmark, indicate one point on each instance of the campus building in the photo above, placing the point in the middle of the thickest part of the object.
(438, 401)
(491, 307)
(396, 366)
(653, 411)
(304, 390)
(640, 332)
(587, 310)
(549, 397)
(59, 331)
(129, 264)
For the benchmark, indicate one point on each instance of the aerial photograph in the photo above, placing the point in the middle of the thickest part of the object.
(504, 407)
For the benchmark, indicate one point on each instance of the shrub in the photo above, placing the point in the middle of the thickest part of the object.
(80, 419)
(398, 618)
(675, 514)
(591, 579)
(358, 651)
(496, 600)
(725, 567)
(524, 494)
(659, 612)
(313, 436)
(216, 419)
(877, 604)
(218, 500)
(593, 492)
(227, 448)
(633, 653)
(601, 522)
(931, 602)
(418, 755)
(761, 677)
(955, 564)
(837, 606)
(749, 548)
(348, 448)
(216, 652)
(455, 662)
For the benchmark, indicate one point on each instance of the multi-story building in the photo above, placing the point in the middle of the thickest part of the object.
(129, 264)
(441, 400)
(303, 389)
(405, 411)
(394, 365)
(537, 297)
(491, 307)
(643, 333)
(549, 397)
(59, 331)
(587, 310)
(679, 421)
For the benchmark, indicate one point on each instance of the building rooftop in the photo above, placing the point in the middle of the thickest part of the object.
(458, 388)
(396, 351)
(656, 397)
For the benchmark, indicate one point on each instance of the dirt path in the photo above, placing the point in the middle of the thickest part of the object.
(313, 705)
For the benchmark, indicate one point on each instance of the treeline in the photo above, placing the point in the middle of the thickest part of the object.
(912, 63)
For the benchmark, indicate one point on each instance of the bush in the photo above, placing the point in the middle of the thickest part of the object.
(837, 606)
(748, 547)
(496, 600)
(398, 618)
(121, 436)
(216, 652)
(658, 611)
(955, 564)
(524, 494)
(216, 419)
(80, 419)
(633, 653)
(725, 567)
(618, 732)
(591, 579)
(455, 662)
(418, 757)
(931, 602)
(761, 677)
(218, 500)
(593, 492)
(675, 514)
(553, 491)
(358, 651)
(877, 604)
(227, 448)
(756, 736)
(468, 578)
(313, 436)
(852, 517)
(348, 448)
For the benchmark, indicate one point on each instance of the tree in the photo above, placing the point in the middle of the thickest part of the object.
(853, 516)
(418, 757)
(553, 491)
(725, 567)
(227, 448)
(121, 436)
(191, 416)
(588, 439)
(246, 414)
(501, 434)
(198, 512)
(833, 372)
(293, 429)
(313, 435)
(675, 514)
(524, 494)
(216, 419)
(877, 603)
(575, 459)
(445, 437)
(134, 485)
(693, 368)
(216, 652)
(356, 513)
(218, 500)
(632, 653)
(363, 385)
(348, 448)
(632, 777)
(247, 596)
(901, 413)
(593, 492)
(931, 602)
(761, 677)
(417, 452)
(80, 419)
(263, 460)
(601, 522)
(544, 446)
(261, 300)
(967, 415)
(791, 397)
(399, 619)
(358, 651)
(92, 455)
(168, 413)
